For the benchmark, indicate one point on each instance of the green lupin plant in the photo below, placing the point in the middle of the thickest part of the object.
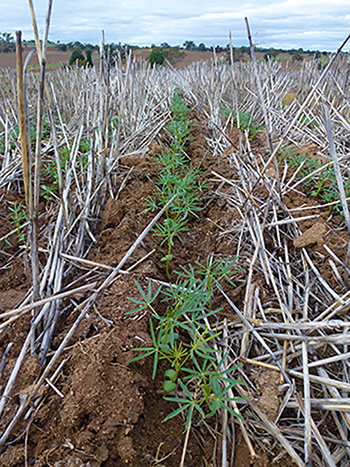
(176, 177)
(195, 367)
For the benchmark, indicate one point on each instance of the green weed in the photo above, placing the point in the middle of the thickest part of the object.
(308, 121)
(323, 184)
(246, 122)
(13, 137)
(51, 172)
(18, 216)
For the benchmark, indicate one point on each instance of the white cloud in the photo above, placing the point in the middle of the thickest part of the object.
(280, 23)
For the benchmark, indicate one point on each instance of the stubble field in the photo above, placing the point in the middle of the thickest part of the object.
(272, 326)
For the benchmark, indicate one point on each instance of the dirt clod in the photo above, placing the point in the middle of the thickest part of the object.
(312, 236)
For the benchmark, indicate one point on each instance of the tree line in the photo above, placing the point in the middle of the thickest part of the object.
(160, 54)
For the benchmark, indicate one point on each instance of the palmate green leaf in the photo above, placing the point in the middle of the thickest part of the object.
(7, 243)
(216, 387)
(217, 396)
(219, 372)
(168, 180)
(170, 230)
(232, 382)
(224, 403)
(188, 274)
(156, 350)
(151, 204)
(169, 336)
(188, 294)
(176, 322)
(190, 414)
(187, 391)
(165, 348)
(199, 341)
(172, 160)
(196, 317)
(217, 270)
(177, 356)
(173, 336)
(187, 206)
(157, 346)
(189, 403)
(201, 372)
(147, 299)
(169, 324)
(164, 329)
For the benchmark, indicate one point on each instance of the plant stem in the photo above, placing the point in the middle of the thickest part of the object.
(182, 463)
(22, 124)
(168, 260)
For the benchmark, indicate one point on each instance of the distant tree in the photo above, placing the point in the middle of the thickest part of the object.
(164, 45)
(173, 55)
(78, 45)
(317, 54)
(89, 62)
(156, 57)
(202, 47)
(62, 47)
(237, 54)
(297, 57)
(189, 45)
(7, 43)
(77, 58)
(244, 50)
(89, 46)
(271, 54)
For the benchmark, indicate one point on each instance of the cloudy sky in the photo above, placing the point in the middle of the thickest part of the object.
(311, 24)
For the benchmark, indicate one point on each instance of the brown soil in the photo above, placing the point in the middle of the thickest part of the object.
(53, 57)
(105, 411)
(56, 57)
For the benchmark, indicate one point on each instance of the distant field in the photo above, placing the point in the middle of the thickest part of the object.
(191, 56)
(55, 57)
